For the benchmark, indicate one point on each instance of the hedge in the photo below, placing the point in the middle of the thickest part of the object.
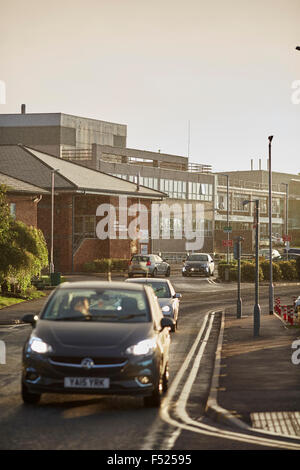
(282, 270)
(105, 265)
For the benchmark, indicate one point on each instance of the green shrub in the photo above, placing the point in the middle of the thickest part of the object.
(288, 270)
(223, 266)
(298, 266)
(248, 272)
(277, 274)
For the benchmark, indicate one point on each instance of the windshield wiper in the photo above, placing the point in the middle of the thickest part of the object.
(83, 317)
(128, 317)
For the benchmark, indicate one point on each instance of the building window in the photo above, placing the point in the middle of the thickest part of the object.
(200, 191)
(12, 210)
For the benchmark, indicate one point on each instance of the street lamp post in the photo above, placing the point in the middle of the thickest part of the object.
(256, 313)
(271, 286)
(52, 219)
(286, 217)
(227, 189)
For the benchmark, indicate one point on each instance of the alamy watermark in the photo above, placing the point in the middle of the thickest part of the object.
(296, 353)
(187, 222)
(2, 352)
(295, 98)
(2, 92)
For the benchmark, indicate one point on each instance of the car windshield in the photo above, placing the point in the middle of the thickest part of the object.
(101, 305)
(197, 258)
(161, 289)
(140, 259)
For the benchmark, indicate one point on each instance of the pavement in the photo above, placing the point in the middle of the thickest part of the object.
(256, 381)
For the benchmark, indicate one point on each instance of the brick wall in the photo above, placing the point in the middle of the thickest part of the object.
(26, 208)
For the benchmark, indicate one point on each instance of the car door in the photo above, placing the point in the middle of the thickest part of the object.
(175, 301)
(163, 336)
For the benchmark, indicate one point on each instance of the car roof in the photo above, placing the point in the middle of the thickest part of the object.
(98, 284)
(192, 254)
(142, 280)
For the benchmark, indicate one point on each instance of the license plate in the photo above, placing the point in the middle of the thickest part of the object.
(86, 382)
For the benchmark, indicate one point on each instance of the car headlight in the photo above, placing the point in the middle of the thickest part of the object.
(39, 346)
(147, 346)
(166, 309)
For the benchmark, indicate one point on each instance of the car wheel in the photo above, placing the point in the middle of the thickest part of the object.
(154, 400)
(29, 398)
(168, 272)
(154, 274)
(130, 275)
(166, 378)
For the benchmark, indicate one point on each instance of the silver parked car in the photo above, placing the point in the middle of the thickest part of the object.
(167, 298)
(148, 265)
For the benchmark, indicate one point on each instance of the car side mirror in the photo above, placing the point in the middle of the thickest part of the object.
(166, 323)
(30, 318)
(177, 296)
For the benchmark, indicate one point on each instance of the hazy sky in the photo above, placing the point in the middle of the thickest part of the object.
(227, 66)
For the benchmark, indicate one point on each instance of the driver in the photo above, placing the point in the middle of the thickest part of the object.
(81, 305)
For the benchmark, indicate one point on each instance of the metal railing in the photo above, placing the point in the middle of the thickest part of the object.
(76, 154)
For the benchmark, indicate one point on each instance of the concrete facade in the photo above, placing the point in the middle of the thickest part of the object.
(183, 182)
(56, 133)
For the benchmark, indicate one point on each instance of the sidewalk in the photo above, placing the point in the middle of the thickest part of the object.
(257, 386)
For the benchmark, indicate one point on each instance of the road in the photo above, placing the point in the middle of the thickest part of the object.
(71, 422)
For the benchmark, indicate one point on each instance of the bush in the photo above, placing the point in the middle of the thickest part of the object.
(248, 272)
(298, 266)
(288, 270)
(277, 274)
(223, 266)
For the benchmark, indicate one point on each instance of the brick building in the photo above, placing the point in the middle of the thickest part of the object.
(79, 193)
(23, 199)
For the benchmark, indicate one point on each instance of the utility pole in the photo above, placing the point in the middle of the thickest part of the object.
(271, 286)
(257, 312)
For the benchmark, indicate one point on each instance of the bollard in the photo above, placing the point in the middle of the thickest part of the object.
(277, 306)
(284, 312)
(289, 315)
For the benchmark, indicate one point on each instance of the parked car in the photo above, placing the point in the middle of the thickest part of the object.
(168, 299)
(198, 263)
(293, 253)
(98, 338)
(148, 265)
(266, 254)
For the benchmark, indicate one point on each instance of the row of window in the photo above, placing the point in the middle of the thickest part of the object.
(174, 188)
(236, 204)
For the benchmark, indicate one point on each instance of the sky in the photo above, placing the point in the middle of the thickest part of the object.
(206, 79)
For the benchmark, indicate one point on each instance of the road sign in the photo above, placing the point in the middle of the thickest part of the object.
(287, 238)
(227, 229)
(227, 243)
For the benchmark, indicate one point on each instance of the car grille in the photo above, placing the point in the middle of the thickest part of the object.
(99, 362)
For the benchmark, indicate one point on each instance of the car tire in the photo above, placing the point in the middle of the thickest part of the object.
(130, 275)
(154, 400)
(154, 274)
(168, 272)
(166, 378)
(30, 398)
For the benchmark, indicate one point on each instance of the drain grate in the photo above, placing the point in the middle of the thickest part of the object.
(281, 422)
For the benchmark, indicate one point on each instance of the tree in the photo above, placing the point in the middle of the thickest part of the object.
(23, 250)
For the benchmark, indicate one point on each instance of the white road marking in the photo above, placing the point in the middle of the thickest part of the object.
(194, 426)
